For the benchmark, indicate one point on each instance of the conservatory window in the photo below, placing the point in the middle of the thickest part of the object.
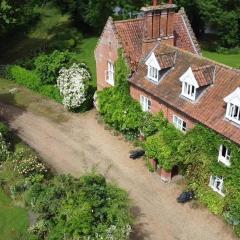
(145, 103)
(216, 183)
(110, 73)
(224, 155)
(188, 91)
(179, 123)
(153, 73)
(233, 112)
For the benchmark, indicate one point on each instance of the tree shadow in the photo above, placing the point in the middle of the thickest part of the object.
(138, 233)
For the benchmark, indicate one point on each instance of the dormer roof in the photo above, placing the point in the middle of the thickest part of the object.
(166, 60)
(204, 75)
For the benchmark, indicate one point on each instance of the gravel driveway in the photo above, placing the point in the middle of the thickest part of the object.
(80, 144)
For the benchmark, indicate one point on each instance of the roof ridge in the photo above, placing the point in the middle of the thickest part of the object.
(128, 20)
(203, 58)
(202, 67)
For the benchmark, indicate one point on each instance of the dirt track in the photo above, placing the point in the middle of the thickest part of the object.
(80, 144)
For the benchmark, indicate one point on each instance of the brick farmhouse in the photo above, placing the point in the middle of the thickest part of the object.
(170, 75)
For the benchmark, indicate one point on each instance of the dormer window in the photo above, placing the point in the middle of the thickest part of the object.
(195, 80)
(159, 65)
(233, 106)
(153, 73)
(224, 155)
(189, 91)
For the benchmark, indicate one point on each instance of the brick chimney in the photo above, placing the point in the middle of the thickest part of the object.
(158, 24)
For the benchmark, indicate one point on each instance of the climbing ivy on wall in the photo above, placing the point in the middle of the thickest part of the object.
(196, 152)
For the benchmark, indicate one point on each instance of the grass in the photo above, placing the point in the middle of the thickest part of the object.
(232, 60)
(14, 220)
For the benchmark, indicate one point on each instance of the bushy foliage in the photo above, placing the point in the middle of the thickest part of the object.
(31, 80)
(163, 146)
(48, 66)
(80, 208)
(24, 77)
(4, 152)
(73, 84)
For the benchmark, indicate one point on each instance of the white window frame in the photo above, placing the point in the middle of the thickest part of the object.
(233, 112)
(189, 91)
(179, 123)
(145, 103)
(153, 73)
(109, 74)
(217, 184)
(224, 157)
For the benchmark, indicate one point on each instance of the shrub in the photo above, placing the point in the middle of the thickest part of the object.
(24, 77)
(74, 84)
(82, 208)
(48, 66)
(51, 91)
(4, 153)
(163, 147)
(4, 130)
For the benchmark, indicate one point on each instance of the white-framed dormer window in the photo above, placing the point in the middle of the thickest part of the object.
(189, 85)
(216, 183)
(110, 73)
(179, 123)
(189, 91)
(224, 155)
(153, 73)
(146, 103)
(233, 106)
(233, 112)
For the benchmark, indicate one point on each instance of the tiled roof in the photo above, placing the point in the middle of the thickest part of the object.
(166, 60)
(210, 109)
(204, 75)
(184, 36)
(130, 33)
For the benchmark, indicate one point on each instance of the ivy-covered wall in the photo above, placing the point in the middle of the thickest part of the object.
(196, 152)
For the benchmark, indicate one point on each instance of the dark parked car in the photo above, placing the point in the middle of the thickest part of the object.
(185, 197)
(136, 153)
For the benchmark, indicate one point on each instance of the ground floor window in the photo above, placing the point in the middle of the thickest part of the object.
(224, 155)
(216, 183)
(179, 123)
(145, 103)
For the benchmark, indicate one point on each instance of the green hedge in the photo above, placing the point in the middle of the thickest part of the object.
(31, 80)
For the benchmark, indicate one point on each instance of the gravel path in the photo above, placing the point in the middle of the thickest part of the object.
(81, 144)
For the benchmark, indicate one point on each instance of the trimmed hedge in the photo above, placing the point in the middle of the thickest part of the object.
(31, 80)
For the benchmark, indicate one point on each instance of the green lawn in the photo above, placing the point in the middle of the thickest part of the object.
(232, 60)
(13, 220)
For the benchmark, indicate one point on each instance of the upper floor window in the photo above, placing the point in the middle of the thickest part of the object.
(188, 90)
(153, 73)
(216, 183)
(145, 103)
(233, 106)
(233, 112)
(224, 155)
(110, 73)
(179, 123)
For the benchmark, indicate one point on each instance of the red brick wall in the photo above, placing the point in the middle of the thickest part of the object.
(107, 50)
(158, 106)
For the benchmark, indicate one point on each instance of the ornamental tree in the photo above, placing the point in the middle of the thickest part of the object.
(73, 84)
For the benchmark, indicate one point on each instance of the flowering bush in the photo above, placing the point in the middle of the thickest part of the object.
(28, 165)
(4, 153)
(73, 84)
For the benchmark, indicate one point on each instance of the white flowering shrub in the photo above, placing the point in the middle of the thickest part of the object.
(28, 165)
(73, 84)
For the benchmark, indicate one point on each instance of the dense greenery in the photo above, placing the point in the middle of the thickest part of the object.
(65, 207)
(222, 16)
